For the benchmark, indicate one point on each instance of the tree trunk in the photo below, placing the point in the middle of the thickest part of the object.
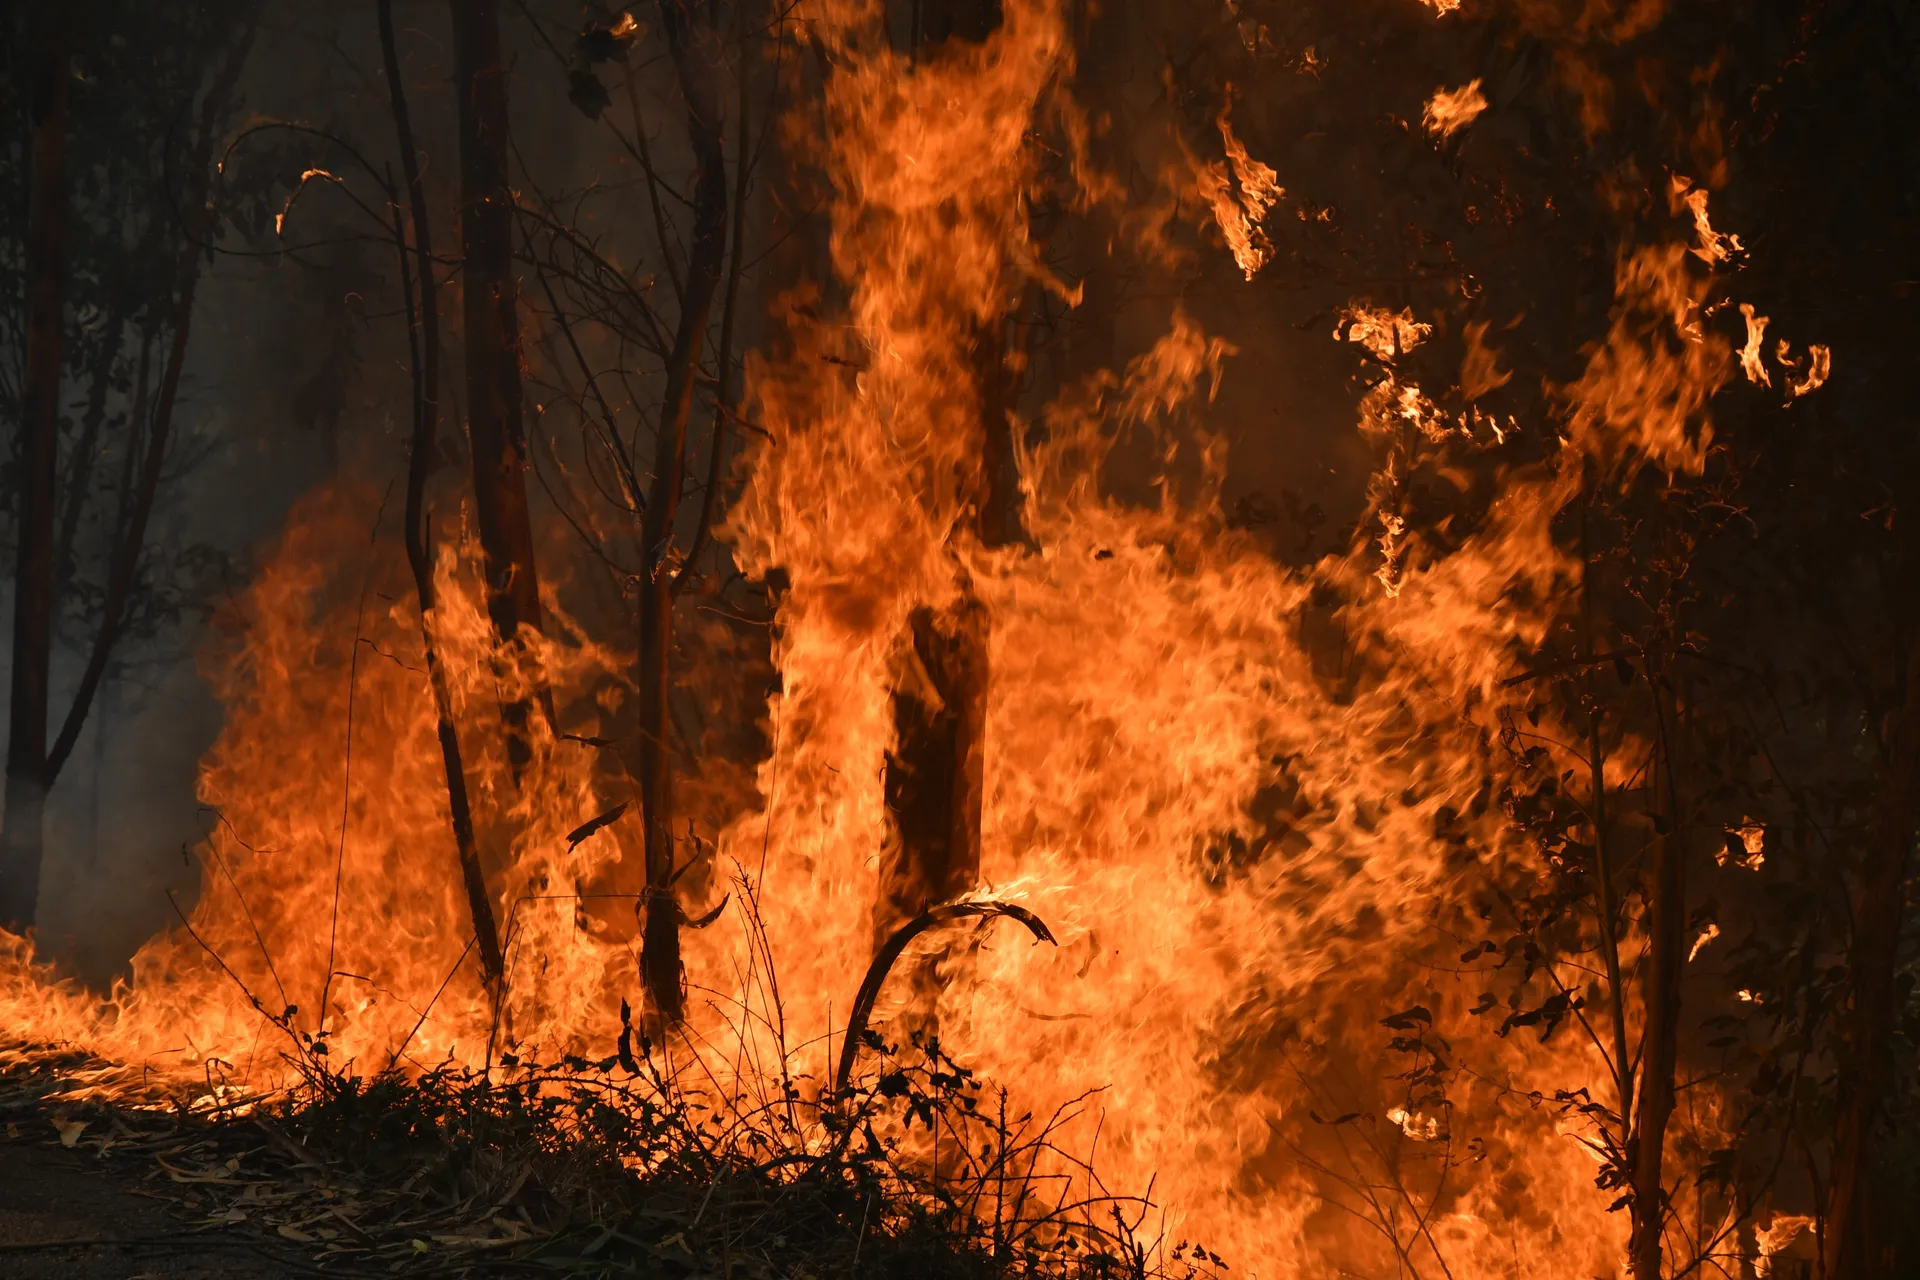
(423, 337)
(943, 20)
(1865, 1068)
(933, 775)
(496, 432)
(692, 41)
(39, 436)
(1666, 928)
(933, 781)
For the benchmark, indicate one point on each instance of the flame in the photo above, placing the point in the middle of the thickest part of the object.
(1240, 191)
(1714, 246)
(1450, 110)
(1753, 845)
(1252, 840)
(1382, 332)
(1777, 1238)
(1819, 369)
(1750, 353)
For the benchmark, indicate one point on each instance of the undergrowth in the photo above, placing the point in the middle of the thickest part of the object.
(620, 1167)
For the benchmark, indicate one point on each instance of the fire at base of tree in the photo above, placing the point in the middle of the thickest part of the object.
(970, 637)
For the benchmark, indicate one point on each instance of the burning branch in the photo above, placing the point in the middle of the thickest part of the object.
(890, 951)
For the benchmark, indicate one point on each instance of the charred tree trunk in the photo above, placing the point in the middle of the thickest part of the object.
(933, 782)
(496, 432)
(938, 21)
(39, 437)
(691, 39)
(1865, 1067)
(1666, 928)
(423, 339)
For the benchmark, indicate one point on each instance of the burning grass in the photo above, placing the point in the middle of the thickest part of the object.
(641, 1163)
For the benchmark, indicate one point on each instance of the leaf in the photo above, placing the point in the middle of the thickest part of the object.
(591, 825)
(603, 41)
(70, 1130)
(585, 740)
(585, 92)
(289, 1232)
(625, 1045)
(1408, 1019)
(1348, 1118)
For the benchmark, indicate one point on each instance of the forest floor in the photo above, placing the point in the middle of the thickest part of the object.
(73, 1213)
(572, 1172)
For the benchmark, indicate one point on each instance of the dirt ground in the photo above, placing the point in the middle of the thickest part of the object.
(72, 1215)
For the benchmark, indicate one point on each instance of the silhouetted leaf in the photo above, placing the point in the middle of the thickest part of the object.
(591, 825)
(585, 92)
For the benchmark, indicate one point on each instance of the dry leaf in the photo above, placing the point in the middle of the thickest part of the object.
(70, 1130)
(294, 1234)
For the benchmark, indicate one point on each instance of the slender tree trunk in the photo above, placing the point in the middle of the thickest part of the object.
(39, 436)
(1666, 927)
(78, 481)
(423, 340)
(1866, 1029)
(1597, 811)
(693, 42)
(496, 432)
(725, 395)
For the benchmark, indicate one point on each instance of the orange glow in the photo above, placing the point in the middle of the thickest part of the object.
(1249, 850)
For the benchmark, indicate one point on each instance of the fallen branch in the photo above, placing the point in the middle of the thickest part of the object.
(883, 960)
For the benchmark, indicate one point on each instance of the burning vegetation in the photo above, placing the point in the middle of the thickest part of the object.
(801, 743)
